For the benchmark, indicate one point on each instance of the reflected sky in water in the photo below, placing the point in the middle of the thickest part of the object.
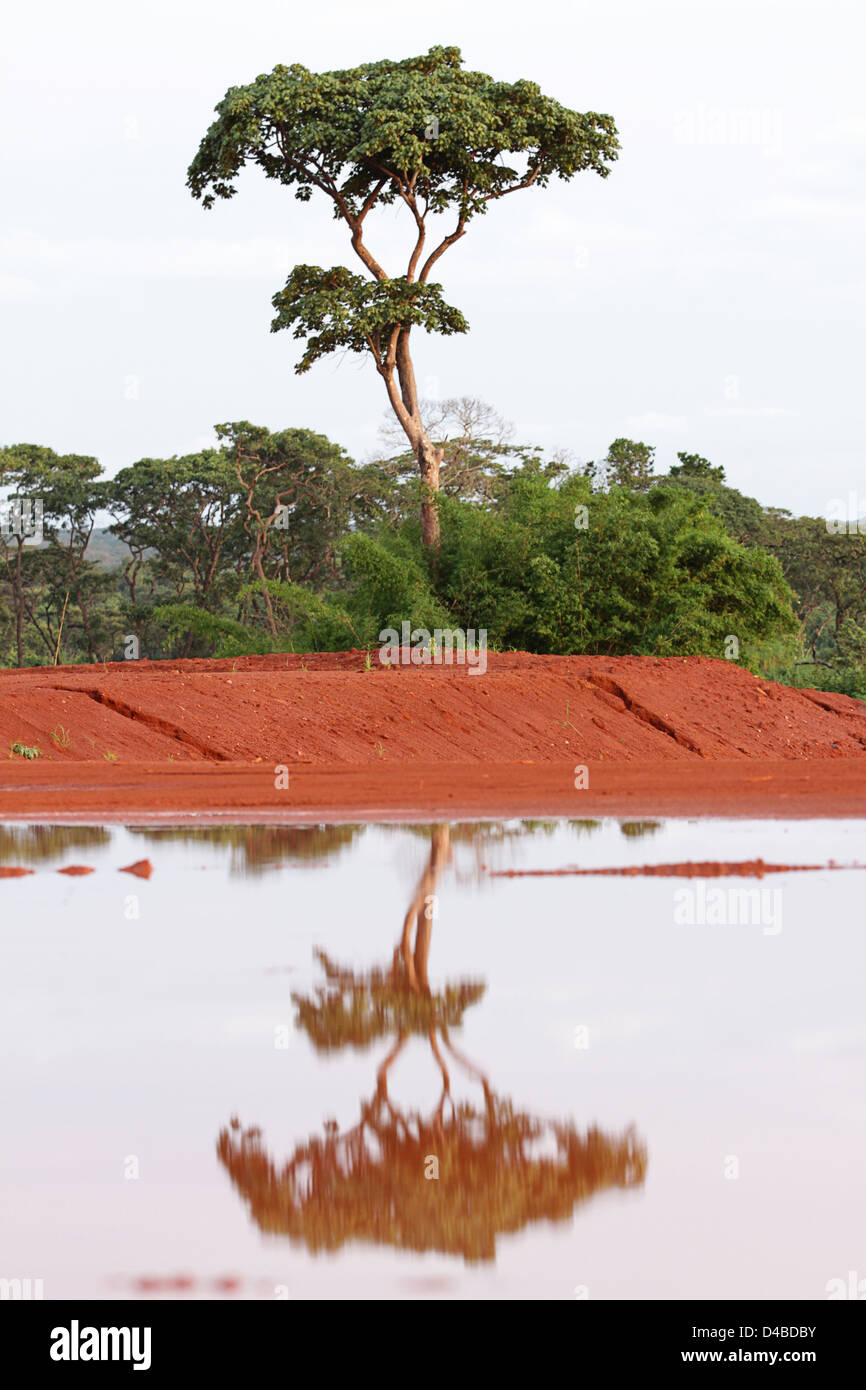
(345, 1061)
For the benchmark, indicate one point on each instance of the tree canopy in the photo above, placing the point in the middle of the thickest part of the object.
(423, 133)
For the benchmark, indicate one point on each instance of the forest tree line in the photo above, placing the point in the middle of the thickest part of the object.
(281, 542)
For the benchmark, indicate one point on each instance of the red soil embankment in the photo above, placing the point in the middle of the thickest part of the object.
(158, 737)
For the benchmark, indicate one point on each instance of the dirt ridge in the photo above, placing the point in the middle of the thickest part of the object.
(197, 738)
(151, 721)
(330, 708)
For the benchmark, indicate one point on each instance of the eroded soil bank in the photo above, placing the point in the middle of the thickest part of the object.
(655, 737)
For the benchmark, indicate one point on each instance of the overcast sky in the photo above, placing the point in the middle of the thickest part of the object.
(707, 296)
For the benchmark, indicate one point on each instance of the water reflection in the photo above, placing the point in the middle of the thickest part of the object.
(255, 850)
(450, 1179)
(39, 844)
(639, 829)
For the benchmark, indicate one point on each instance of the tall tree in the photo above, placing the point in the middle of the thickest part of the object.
(422, 133)
(628, 463)
(299, 495)
(44, 578)
(182, 521)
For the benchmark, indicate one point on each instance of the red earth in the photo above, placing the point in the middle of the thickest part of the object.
(309, 737)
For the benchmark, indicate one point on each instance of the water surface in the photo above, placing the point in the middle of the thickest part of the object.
(347, 1062)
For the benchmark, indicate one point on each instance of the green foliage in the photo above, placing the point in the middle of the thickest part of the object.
(389, 583)
(359, 132)
(744, 518)
(825, 569)
(224, 636)
(37, 582)
(279, 542)
(653, 573)
(629, 463)
(311, 622)
(694, 466)
(181, 520)
(334, 309)
(21, 750)
(423, 134)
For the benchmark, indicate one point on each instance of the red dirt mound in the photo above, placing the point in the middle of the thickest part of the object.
(326, 714)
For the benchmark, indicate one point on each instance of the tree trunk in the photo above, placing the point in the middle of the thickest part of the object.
(19, 607)
(85, 617)
(259, 569)
(429, 461)
(406, 407)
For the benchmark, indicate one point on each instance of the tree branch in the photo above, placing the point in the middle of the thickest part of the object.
(459, 231)
(525, 182)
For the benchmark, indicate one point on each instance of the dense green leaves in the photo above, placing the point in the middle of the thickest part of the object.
(278, 541)
(334, 309)
(825, 568)
(653, 573)
(367, 130)
(40, 581)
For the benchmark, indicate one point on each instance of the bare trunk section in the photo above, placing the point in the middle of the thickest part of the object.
(429, 461)
(19, 607)
(406, 407)
(259, 569)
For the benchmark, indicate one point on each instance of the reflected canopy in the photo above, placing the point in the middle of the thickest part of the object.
(450, 1180)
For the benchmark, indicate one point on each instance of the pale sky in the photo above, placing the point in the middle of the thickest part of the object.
(708, 296)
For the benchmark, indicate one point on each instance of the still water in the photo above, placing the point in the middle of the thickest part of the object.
(352, 1061)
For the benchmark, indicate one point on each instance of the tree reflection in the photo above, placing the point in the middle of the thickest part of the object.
(39, 844)
(255, 850)
(449, 1180)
